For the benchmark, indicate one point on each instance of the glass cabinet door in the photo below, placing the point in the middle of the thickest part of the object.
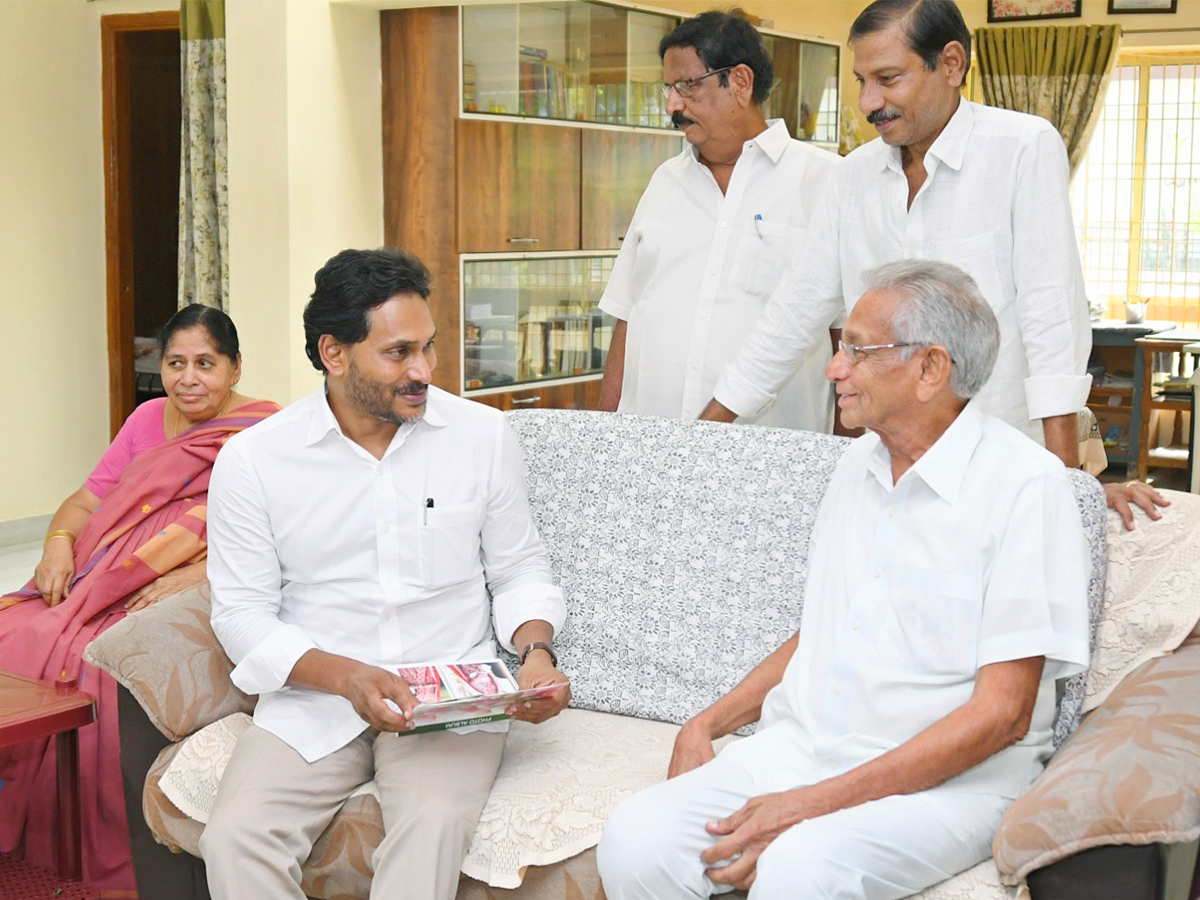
(805, 94)
(534, 319)
(573, 60)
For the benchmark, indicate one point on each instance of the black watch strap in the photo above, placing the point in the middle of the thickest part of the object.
(539, 645)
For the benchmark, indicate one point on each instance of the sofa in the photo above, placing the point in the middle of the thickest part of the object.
(682, 551)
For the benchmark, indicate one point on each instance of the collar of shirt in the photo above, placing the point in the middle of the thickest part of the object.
(772, 142)
(323, 422)
(949, 148)
(944, 465)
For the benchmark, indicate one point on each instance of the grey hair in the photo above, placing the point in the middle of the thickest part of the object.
(942, 305)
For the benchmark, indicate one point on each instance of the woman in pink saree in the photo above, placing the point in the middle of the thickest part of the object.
(132, 535)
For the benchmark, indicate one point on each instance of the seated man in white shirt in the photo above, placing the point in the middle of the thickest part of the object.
(364, 528)
(946, 592)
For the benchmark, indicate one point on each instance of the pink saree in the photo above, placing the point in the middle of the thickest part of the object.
(151, 522)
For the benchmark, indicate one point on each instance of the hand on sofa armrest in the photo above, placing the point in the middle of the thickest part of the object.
(170, 661)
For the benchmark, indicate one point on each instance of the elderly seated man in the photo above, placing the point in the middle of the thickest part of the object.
(946, 593)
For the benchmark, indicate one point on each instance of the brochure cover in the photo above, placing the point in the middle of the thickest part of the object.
(455, 695)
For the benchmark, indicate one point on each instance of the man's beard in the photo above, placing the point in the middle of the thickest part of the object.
(375, 399)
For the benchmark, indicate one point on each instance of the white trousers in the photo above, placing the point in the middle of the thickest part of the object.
(272, 805)
(882, 850)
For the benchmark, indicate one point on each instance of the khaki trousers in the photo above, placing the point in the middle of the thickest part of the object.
(272, 806)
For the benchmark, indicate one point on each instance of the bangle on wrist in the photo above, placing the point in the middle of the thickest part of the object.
(60, 532)
(539, 645)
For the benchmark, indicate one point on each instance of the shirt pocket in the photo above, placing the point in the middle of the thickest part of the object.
(448, 544)
(763, 255)
(937, 617)
(977, 256)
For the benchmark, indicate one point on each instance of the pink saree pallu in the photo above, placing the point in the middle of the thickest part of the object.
(151, 522)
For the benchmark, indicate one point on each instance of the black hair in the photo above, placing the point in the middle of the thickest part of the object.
(929, 25)
(349, 286)
(725, 39)
(218, 325)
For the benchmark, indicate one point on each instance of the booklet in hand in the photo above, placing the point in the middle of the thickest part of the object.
(455, 695)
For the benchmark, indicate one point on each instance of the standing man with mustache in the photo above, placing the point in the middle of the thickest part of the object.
(979, 187)
(712, 235)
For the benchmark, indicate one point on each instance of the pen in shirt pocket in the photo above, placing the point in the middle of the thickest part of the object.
(425, 512)
(758, 225)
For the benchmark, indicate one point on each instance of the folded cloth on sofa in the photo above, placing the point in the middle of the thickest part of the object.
(1152, 597)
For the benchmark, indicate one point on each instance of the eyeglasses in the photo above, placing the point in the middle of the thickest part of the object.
(858, 353)
(683, 87)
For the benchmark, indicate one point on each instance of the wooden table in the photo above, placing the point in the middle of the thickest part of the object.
(30, 709)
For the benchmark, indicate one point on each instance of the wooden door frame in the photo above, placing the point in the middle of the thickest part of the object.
(118, 213)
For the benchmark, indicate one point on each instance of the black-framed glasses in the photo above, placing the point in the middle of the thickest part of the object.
(683, 87)
(857, 353)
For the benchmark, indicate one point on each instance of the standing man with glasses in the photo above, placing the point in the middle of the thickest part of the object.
(946, 593)
(713, 234)
(979, 187)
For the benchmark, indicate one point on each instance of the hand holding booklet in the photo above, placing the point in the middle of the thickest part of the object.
(455, 695)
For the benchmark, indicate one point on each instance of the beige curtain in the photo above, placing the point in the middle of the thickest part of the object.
(1060, 73)
(203, 184)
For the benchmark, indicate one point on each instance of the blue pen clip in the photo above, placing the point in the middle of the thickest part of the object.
(758, 225)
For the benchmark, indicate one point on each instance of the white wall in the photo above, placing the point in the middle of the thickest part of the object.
(305, 169)
(305, 175)
(54, 367)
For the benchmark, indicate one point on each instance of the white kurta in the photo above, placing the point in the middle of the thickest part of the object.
(975, 556)
(996, 204)
(697, 267)
(315, 543)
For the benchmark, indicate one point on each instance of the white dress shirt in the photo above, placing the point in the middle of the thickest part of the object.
(697, 267)
(975, 556)
(315, 543)
(994, 203)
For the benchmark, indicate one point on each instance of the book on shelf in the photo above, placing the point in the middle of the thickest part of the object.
(461, 694)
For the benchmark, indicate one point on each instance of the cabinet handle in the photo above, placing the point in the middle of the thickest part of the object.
(525, 401)
(523, 240)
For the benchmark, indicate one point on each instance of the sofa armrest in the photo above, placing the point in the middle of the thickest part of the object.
(1130, 775)
(168, 658)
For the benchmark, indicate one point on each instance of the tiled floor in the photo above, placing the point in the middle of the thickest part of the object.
(17, 564)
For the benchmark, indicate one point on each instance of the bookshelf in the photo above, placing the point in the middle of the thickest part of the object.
(533, 319)
(586, 61)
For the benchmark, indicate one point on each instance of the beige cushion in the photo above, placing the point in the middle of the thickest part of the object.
(170, 660)
(1129, 775)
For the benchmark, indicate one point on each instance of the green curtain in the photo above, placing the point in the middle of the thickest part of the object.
(203, 168)
(1060, 73)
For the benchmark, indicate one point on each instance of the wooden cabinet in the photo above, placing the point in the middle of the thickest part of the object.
(518, 187)
(616, 169)
(579, 395)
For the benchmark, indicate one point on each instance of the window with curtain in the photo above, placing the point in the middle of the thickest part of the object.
(1136, 195)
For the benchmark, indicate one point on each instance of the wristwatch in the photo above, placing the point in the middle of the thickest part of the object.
(539, 645)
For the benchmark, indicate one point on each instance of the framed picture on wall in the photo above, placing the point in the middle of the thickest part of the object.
(1018, 10)
(1142, 6)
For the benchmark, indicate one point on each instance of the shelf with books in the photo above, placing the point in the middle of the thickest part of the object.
(533, 319)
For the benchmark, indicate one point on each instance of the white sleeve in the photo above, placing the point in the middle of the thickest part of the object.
(244, 572)
(799, 313)
(1051, 303)
(514, 560)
